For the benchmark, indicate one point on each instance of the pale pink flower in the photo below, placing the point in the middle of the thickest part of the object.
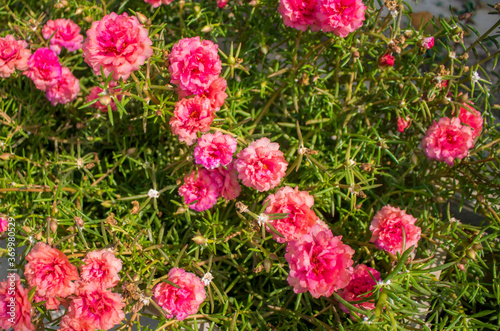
(360, 285)
(341, 16)
(319, 263)
(386, 60)
(44, 68)
(4, 224)
(191, 115)
(428, 42)
(50, 271)
(214, 150)
(102, 268)
(14, 54)
(403, 123)
(194, 64)
(95, 306)
(183, 301)
(66, 33)
(299, 14)
(231, 188)
(66, 89)
(447, 140)
(69, 323)
(203, 187)
(261, 165)
(472, 118)
(118, 44)
(298, 205)
(158, 3)
(94, 94)
(387, 230)
(15, 305)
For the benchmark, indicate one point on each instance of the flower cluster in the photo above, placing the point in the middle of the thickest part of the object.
(338, 16)
(14, 54)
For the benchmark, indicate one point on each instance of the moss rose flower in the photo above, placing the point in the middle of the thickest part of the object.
(319, 262)
(66, 33)
(472, 118)
(231, 188)
(157, 3)
(298, 205)
(51, 272)
(360, 285)
(299, 14)
(44, 68)
(214, 150)
(194, 64)
(94, 94)
(387, 230)
(191, 115)
(183, 301)
(13, 55)
(118, 44)
(21, 309)
(4, 224)
(102, 268)
(341, 16)
(66, 90)
(447, 140)
(69, 323)
(203, 187)
(261, 165)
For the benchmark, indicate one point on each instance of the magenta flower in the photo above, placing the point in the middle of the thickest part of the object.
(203, 187)
(66, 90)
(319, 262)
(66, 33)
(231, 188)
(214, 150)
(102, 268)
(299, 14)
(14, 54)
(261, 165)
(191, 115)
(118, 44)
(298, 205)
(387, 230)
(194, 64)
(341, 16)
(447, 140)
(360, 285)
(158, 3)
(44, 69)
(472, 118)
(183, 301)
(403, 123)
(4, 224)
(21, 309)
(428, 42)
(386, 60)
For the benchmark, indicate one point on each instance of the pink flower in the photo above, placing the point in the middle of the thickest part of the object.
(447, 140)
(231, 188)
(222, 3)
(428, 42)
(215, 93)
(4, 224)
(214, 150)
(102, 268)
(319, 262)
(13, 55)
(472, 118)
(203, 187)
(386, 60)
(118, 44)
(360, 284)
(157, 3)
(299, 14)
(403, 123)
(65, 90)
(66, 34)
(94, 94)
(95, 306)
(341, 16)
(15, 306)
(50, 271)
(387, 230)
(261, 165)
(183, 301)
(44, 68)
(191, 116)
(194, 64)
(298, 205)
(69, 323)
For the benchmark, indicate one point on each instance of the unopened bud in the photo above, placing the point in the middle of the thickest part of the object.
(463, 98)
(136, 278)
(231, 60)
(53, 226)
(5, 156)
(200, 240)
(471, 254)
(196, 9)
(264, 49)
(141, 17)
(79, 11)
(355, 54)
(105, 100)
(267, 265)
(477, 247)
(88, 19)
(26, 229)
(206, 29)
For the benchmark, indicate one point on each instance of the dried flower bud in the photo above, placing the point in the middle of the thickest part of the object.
(497, 7)
(53, 226)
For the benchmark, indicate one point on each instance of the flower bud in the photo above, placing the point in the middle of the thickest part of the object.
(267, 265)
(88, 19)
(196, 9)
(471, 254)
(477, 247)
(79, 11)
(105, 100)
(206, 29)
(141, 17)
(200, 240)
(5, 156)
(136, 278)
(53, 226)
